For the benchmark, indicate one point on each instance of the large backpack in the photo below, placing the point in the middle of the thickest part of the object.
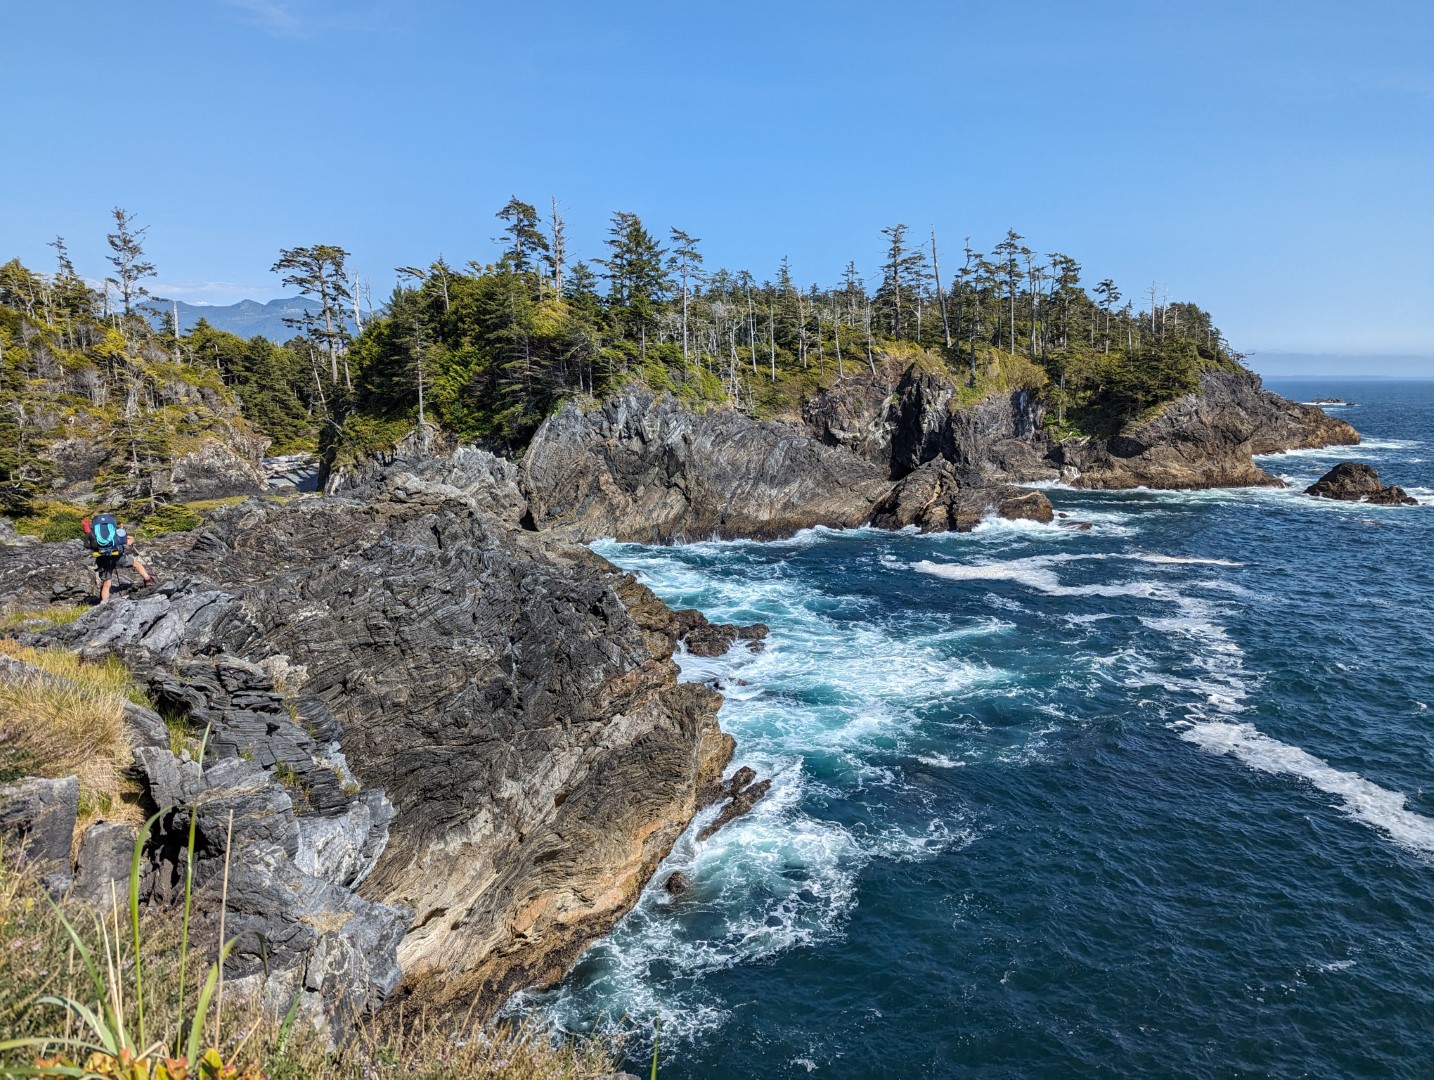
(105, 535)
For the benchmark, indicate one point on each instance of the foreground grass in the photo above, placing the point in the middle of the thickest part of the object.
(43, 977)
(69, 726)
(139, 995)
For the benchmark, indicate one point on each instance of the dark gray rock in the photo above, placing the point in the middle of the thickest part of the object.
(677, 883)
(102, 866)
(289, 900)
(220, 469)
(1353, 481)
(441, 473)
(341, 946)
(933, 499)
(649, 469)
(857, 415)
(37, 819)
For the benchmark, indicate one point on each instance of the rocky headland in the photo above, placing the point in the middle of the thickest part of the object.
(454, 739)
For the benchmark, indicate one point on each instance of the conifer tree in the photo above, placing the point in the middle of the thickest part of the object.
(318, 271)
(523, 238)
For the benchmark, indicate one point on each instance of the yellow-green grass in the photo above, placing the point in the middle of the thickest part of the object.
(43, 618)
(72, 725)
(39, 957)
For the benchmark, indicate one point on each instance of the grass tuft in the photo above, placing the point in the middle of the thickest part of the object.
(73, 726)
(44, 618)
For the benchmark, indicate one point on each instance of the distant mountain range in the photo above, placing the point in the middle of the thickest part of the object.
(249, 318)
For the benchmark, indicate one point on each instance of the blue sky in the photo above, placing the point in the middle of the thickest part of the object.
(1271, 161)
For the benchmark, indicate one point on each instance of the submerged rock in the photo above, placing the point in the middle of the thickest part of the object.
(742, 794)
(1353, 481)
(703, 638)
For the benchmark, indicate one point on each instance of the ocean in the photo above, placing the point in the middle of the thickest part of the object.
(1150, 799)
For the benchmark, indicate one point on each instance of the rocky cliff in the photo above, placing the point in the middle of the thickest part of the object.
(645, 468)
(515, 702)
(648, 469)
(1204, 439)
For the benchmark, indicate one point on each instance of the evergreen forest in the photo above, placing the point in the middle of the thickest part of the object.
(486, 350)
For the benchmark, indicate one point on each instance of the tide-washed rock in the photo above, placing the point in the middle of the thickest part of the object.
(742, 793)
(703, 638)
(933, 499)
(37, 819)
(647, 468)
(1353, 481)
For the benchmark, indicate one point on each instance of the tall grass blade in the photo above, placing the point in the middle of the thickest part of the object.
(656, 1043)
(189, 887)
(97, 983)
(140, 840)
(196, 1026)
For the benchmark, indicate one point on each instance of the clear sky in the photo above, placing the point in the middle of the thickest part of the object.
(1271, 161)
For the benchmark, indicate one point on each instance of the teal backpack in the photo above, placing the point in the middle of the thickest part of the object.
(106, 537)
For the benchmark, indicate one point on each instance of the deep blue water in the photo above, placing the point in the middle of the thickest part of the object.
(1152, 799)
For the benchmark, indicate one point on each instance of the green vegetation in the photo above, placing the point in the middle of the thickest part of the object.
(487, 351)
(85, 997)
(72, 725)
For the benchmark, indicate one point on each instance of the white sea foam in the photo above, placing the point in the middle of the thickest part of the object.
(1183, 560)
(939, 761)
(1034, 573)
(1363, 800)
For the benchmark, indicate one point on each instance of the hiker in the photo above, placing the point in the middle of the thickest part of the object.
(112, 548)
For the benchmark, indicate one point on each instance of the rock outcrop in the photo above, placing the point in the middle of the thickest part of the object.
(648, 469)
(933, 500)
(525, 722)
(1352, 481)
(37, 819)
(1204, 439)
(220, 468)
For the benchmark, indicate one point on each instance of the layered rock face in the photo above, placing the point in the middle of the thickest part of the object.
(901, 427)
(525, 722)
(648, 469)
(1205, 439)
